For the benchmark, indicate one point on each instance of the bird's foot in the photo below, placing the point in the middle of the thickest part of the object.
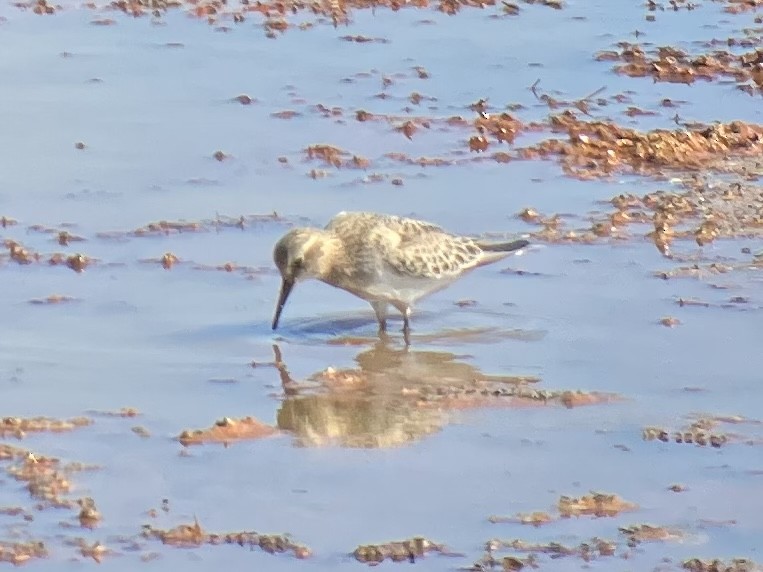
(382, 333)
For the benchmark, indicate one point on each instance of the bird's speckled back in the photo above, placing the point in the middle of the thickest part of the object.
(411, 248)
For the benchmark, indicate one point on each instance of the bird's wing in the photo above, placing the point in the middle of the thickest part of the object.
(434, 254)
(408, 247)
(419, 249)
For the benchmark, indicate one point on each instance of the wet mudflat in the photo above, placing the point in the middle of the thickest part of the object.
(595, 399)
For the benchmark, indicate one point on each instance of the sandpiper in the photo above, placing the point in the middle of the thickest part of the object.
(383, 259)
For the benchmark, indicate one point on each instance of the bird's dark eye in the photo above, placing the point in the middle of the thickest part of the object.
(298, 263)
(281, 255)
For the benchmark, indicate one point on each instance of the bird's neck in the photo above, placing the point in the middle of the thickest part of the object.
(327, 254)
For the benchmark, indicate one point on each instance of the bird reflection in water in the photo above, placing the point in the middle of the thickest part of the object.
(390, 399)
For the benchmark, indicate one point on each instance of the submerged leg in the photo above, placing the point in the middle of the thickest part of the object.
(405, 310)
(381, 314)
(406, 330)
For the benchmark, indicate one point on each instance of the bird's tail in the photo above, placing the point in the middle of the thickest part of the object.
(502, 246)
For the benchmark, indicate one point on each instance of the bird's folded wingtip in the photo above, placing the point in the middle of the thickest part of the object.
(504, 246)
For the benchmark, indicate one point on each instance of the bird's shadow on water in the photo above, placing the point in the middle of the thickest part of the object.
(306, 329)
(358, 329)
(354, 329)
(328, 324)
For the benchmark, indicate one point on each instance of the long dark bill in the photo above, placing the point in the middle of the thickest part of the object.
(286, 286)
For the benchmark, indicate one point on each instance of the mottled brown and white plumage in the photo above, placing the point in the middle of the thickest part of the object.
(383, 259)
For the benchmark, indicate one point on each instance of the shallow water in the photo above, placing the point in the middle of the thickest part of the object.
(178, 345)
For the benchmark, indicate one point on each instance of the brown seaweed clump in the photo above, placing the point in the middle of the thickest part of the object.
(600, 148)
(273, 14)
(227, 430)
(638, 533)
(20, 552)
(485, 394)
(503, 127)
(192, 535)
(45, 478)
(699, 432)
(505, 563)
(62, 237)
(397, 551)
(336, 157)
(670, 64)
(165, 227)
(77, 262)
(698, 207)
(587, 551)
(89, 516)
(19, 426)
(735, 565)
(96, 550)
(19, 254)
(597, 504)
(738, 6)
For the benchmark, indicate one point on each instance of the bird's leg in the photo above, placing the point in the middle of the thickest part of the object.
(407, 326)
(406, 332)
(381, 314)
(405, 310)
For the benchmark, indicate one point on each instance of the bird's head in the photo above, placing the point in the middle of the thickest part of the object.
(298, 256)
